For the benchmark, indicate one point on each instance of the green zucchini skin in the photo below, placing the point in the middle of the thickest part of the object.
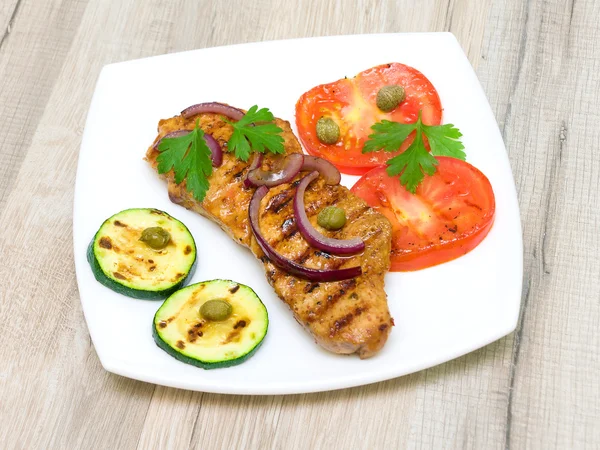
(197, 362)
(129, 292)
(138, 293)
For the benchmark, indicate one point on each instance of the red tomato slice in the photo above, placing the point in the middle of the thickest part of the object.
(350, 102)
(449, 215)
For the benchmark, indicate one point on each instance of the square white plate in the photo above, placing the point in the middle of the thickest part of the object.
(440, 313)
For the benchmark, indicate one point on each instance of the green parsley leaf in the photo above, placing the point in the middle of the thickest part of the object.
(190, 159)
(412, 164)
(444, 140)
(388, 136)
(415, 162)
(251, 133)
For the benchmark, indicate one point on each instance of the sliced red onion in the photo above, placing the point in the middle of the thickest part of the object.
(291, 167)
(255, 164)
(329, 172)
(213, 107)
(216, 152)
(257, 177)
(172, 134)
(312, 236)
(286, 264)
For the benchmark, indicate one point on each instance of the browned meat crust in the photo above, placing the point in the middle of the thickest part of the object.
(349, 316)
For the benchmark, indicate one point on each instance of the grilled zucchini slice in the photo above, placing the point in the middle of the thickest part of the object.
(129, 266)
(182, 331)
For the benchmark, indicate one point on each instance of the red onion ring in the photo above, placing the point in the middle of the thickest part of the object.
(172, 134)
(312, 236)
(257, 160)
(213, 107)
(291, 167)
(257, 177)
(286, 264)
(216, 152)
(329, 172)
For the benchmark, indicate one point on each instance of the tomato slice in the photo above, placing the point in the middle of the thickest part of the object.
(350, 102)
(448, 216)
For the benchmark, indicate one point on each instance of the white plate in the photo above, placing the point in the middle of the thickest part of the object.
(440, 313)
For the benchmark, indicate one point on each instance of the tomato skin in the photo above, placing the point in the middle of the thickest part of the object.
(351, 102)
(449, 215)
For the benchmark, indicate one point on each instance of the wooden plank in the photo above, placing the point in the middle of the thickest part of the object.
(8, 13)
(551, 105)
(54, 392)
(34, 41)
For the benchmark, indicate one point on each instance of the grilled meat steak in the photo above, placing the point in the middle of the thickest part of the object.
(349, 316)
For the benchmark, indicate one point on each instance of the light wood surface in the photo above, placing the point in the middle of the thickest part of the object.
(539, 64)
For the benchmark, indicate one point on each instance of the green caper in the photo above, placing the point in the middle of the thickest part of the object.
(216, 310)
(332, 218)
(155, 237)
(328, 132)
(389, 97)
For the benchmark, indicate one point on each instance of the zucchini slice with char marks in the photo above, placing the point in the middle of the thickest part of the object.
(152, 268)
(182, 330)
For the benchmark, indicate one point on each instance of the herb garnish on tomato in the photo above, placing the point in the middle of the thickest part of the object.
(415, 161)
(352, 104)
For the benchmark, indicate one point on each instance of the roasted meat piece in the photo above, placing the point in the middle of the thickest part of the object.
(349, 316)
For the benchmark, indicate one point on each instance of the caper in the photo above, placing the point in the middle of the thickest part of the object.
(389, 97)
(332, 218)
(216, 310)
(328, 132)
(155, 237)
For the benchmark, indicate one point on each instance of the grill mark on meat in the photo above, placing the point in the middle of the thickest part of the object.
(333, 298)
(372, 234)
(233, 174)
(310, 287)
(341, 323)
(239, 174)
(319, 200)
(358, 311)
(304, 256)
(289, 228)
(272, 276)
(332, 263)
(354, 215)
(278, 202)
(323, 254)
(229, 171)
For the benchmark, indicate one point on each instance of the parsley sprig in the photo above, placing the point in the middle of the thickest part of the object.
(190, 158)
(415, 161)
(252, 133)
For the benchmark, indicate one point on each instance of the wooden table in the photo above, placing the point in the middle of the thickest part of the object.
(539, 64)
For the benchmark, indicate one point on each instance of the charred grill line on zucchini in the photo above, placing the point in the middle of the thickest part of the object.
(181, 331)
(123, 263)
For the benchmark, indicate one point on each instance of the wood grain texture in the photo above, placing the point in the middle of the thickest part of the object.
(538, 388)
(34, 40)
(548, 108)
